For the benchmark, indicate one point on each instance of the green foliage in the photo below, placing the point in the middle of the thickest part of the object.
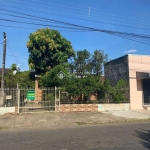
(86, 64)
(24, 80)
(81, 62)
(84, 86)
(51, 79)
(82, 76)
(15, 67)
(98, 61)
(47, 49)
(118, 92)
(21, 78)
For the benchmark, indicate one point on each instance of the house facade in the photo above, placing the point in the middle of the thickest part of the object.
(136, 70)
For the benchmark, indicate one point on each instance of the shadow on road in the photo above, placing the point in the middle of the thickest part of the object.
(144, 137)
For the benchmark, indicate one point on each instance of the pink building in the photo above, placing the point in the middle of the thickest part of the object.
(136, 70)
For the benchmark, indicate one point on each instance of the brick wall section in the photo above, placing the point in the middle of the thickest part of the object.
(16, 109)
(79, 108)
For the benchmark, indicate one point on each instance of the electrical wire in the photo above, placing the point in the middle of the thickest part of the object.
(17, 59)
(19, 27)
(47, 20)
(79, 27)
(131, 36)
(60, 22)
(16, 56)
(95, 14)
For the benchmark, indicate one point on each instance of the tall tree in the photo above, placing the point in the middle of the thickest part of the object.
(48, 48)
(98, 60)
(79, 66)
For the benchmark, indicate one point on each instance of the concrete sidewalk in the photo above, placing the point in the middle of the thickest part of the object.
(63, 120)
(131, 114)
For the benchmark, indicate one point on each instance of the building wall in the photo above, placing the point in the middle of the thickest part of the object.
(117, 69)
(137, 63)
(125, 68)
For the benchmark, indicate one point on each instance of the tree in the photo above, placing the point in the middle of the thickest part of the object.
(80, 65)
(51, 78)
(85, 64)
(98, 60)
(83, 88)
(48, 48)
(20, 78)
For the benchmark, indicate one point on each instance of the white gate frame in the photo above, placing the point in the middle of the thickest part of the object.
(57, 100)
(18, 100)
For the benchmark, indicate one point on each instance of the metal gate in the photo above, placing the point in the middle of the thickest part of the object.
(49, 100)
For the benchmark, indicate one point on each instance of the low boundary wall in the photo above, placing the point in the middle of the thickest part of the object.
(5, 110)
(78, 107)
(113, 107)
(93, 107)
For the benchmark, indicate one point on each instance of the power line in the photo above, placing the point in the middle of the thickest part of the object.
(16, 56)
(47, 20)
(19, 27)
(76, 11)
(11, 51)
(39, 24)
(130, 36)
(56, 21)
(79, 27)
(43, 4)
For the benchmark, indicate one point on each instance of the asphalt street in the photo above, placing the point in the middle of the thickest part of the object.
(129, 136)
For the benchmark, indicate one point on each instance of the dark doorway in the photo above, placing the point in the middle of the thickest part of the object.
(146, 91)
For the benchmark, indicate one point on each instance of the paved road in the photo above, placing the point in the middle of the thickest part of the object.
(133, 136)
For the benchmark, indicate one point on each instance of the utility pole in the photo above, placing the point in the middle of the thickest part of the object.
(3, 60)
(3, 71)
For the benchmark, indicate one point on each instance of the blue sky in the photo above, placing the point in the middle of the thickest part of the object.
(107, 12)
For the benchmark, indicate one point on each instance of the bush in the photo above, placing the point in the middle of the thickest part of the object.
(118, 92)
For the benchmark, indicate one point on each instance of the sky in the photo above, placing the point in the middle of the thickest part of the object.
(130, 16)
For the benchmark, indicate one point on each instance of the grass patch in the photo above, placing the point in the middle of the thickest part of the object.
(3, 128)
(114, 121)
(81, 123)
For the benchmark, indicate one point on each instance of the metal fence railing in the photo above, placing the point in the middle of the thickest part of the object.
(50, 99)
(9, 97)
(65, 98)
(46, 101)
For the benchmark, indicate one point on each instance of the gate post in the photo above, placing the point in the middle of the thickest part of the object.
(57, 100)
(18, 99)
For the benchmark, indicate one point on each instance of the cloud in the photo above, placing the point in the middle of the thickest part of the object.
(131, 51)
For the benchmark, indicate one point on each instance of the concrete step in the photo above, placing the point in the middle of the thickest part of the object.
(146, 107)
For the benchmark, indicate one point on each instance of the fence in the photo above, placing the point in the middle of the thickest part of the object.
(50, 99)
(9, 97)
(25, 99)
(65, 98)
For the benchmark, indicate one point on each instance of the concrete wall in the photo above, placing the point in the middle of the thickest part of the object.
(137, 63)
(113, 107)
(5, 110)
